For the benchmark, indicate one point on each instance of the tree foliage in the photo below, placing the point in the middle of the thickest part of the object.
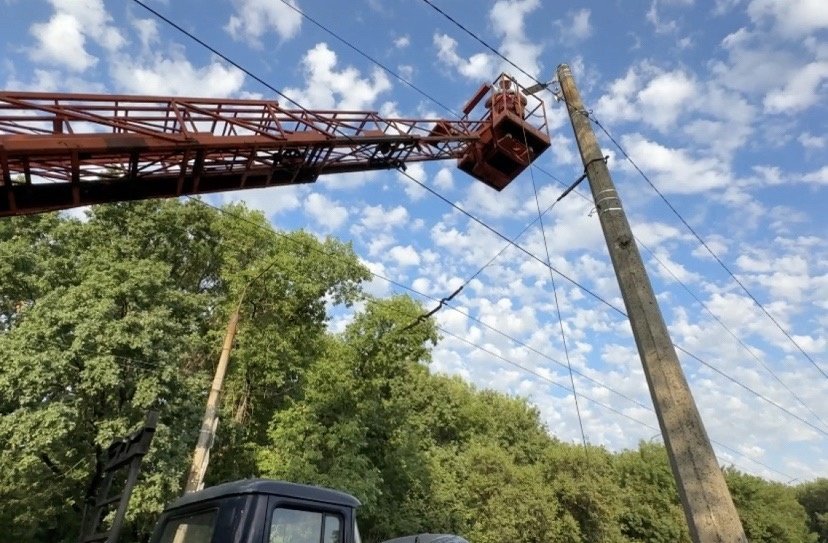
(814, 498)
(104, 318)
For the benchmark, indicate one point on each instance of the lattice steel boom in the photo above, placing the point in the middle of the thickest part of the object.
(65, 150)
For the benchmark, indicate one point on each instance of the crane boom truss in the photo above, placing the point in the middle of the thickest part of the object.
(65, 150)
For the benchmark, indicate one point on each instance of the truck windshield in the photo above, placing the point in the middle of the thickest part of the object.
(357, 537)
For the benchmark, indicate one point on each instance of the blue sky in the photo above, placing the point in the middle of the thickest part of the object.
(721, 103)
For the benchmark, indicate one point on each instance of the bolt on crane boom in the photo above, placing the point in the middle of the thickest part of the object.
(59, 151)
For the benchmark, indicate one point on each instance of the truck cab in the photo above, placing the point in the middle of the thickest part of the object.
(260, 511)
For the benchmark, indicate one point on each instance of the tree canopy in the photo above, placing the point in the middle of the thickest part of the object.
(104, 318)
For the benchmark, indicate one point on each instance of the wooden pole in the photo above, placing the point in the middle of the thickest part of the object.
(195, 478)
(708, 507)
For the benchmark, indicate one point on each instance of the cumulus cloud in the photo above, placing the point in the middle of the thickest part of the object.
(665, 97)
(62, 40)
(381, 218)
(404, 256)
(576, 27)
(676, 170)
(252, 19)
(174, 75)
(507, 18)
(791, 18)
(328, 87)
(801, 91)
(401, 42)
(326, 212)
(478, 66)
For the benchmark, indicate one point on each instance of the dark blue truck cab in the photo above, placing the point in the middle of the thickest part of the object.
(260, 511)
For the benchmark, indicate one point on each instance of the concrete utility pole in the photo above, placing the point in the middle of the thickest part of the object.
(707, 504)
(201, 455)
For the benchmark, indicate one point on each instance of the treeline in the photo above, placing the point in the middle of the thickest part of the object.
(105, 318)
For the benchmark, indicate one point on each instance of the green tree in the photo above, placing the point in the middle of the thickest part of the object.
(769, 511)
(814, 498)
(651, 511)
(585, 483)
(85, 360)
(123, 312)
(350, 430)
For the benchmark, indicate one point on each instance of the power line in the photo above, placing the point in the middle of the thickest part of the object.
(410, 289)
(482, 41)
(546, 379)
(557, 304)
(707, 247)
(675, 211)
(432, 191)
(367, 56)
(701, 302)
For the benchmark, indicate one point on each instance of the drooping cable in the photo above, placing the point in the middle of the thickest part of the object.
(432, 191)
(414, 291)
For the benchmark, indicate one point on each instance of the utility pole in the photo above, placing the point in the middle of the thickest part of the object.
(708, 507)
(201, 455)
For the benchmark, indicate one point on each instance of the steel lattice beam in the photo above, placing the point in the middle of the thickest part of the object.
(65, 150)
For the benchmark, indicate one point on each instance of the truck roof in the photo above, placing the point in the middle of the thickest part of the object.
(268, 486)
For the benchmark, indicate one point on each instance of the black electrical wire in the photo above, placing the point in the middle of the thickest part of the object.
(428, 189)
(712, 253)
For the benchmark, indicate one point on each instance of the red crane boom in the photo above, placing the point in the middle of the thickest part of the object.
(66, 150)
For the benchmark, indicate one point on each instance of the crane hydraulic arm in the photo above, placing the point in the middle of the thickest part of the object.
(59, 151)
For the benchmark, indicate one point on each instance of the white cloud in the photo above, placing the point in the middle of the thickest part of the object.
(619, 103)
(174, 75)
(404, 256)
(62, 40)
(576, 27)
(253, 18)
(507, 19)
(270, 201)
(416, 171)
(380, 218)
(401, 42)
(810, 141)
(791, 18)
(802, 90)
(665, 97)
(478, 66)
(661, 26)
(676, 170)
(326, 212)
(147, 30)
(444, 180)
(820, 176)
(327, 87)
